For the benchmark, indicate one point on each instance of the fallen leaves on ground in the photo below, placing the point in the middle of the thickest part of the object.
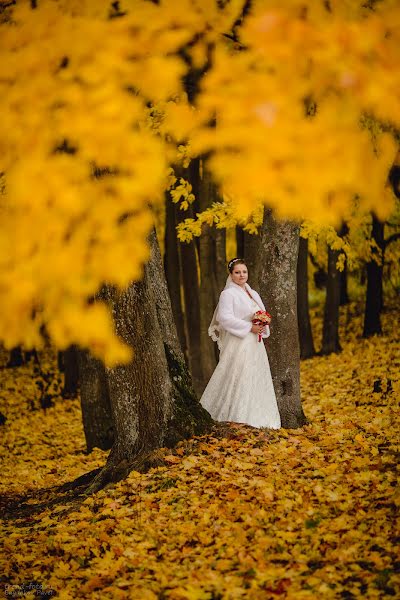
(240, 513)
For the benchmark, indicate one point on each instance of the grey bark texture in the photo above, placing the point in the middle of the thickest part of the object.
(307, 349)
(95, 403)
(279, 242)
(152, 400)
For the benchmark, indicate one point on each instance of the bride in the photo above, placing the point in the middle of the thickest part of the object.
(240, 389)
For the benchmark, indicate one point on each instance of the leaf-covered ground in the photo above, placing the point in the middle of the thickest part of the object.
(242, 513)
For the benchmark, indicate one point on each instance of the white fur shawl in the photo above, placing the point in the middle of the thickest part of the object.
(232, 312)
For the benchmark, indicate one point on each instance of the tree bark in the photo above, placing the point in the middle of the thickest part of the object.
(152, 400)
(209, 290)
(16, 358)
(221, 271)
(330, 333)
(344, 295)
(172, 271)
(239, 242)
(374, 299)
(95, 403)
(190, 281)
(252, 257)
(71, 372)
(278, 261)
(307, 349)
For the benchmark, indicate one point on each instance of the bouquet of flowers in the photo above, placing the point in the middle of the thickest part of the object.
(261, 317)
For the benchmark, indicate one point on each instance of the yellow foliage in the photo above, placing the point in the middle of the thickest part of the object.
(89, 130)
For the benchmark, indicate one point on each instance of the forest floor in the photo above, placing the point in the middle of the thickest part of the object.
(240, 513)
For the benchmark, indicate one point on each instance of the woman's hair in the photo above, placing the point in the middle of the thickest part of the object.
(235, 261)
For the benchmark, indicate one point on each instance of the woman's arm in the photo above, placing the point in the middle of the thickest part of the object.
(227, 318)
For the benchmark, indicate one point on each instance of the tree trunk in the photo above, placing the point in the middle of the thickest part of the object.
(71, 372)
(374, 299)
(330, 333)
(344, 296)
(95, 403)
(209, 290)
(190, 281)
(152, 400)
(221, 271)
(16, 358)
(252, 257)
(303, 313)
(278, 260)
(172, 271)
(239, 242)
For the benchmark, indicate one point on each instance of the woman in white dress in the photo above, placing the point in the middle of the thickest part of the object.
(241, 388)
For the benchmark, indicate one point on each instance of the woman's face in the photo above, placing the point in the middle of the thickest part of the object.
(239, 274)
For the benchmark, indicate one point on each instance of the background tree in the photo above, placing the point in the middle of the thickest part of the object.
(303, 313)
(278, 287)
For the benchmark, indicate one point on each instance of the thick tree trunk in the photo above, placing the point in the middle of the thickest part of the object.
(303, 313)
(152, 400)
(71, 372)
(278, 262)
(374, 299)
(95, 403)
(172, 270)
(330, 333)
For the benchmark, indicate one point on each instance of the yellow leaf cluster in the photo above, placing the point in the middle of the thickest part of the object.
(89, 129)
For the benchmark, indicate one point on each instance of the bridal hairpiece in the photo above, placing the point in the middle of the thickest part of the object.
(231, 262)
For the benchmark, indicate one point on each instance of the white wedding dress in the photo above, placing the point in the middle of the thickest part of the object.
(241, 388)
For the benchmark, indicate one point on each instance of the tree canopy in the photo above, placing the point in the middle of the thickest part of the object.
(293, 106)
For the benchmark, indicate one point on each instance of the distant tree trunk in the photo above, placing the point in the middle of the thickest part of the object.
(209, 289)
(239, 243)
(71, 372)
(330, 333)
(252, 257)
(190, 281)
(172, 270)
(16, 358)
(19, 357)
(152, 400)
(344, 296)
(278, 261)
(248, 248)
(303, 313)
(95, 403)
(221, 271)
(374, 299)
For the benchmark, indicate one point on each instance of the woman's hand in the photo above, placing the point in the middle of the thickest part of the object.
(258, 329)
